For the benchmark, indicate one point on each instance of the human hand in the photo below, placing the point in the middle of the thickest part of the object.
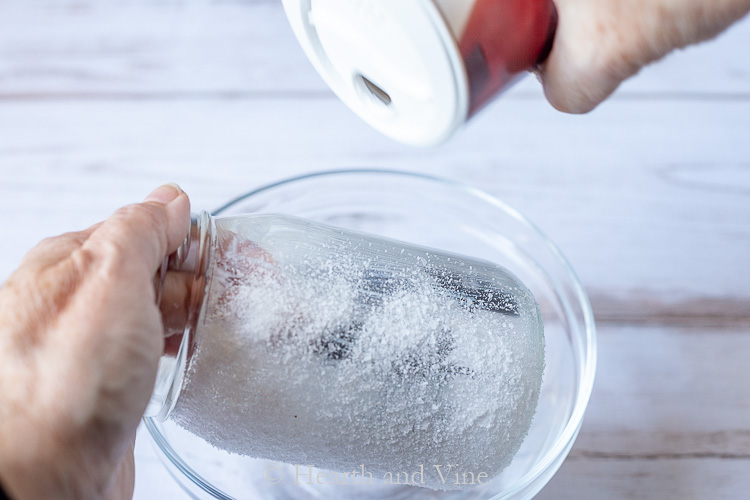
(600, 43)
(80, 341)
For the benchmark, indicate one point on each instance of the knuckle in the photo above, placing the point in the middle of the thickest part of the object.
(82, 260)
(105, 263)
(145, 217)
(136, 227)
(138, 215)
(50, 240)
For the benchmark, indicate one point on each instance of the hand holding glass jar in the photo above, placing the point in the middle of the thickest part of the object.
(80, 340)
(426, 352)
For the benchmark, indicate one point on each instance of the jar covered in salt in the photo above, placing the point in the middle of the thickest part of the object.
(299, 342)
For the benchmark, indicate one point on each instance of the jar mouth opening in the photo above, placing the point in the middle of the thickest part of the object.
(194, 255)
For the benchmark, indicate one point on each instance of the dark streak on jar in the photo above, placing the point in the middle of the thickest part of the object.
(433, 364)
(336, 344)
(472, 298)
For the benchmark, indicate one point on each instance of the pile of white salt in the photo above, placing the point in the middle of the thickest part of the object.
(337, 352)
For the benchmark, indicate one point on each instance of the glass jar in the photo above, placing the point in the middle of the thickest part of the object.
(299, 342)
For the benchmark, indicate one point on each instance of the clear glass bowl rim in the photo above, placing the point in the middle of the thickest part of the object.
(589, 357)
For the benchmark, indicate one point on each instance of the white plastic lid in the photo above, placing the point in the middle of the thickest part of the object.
(393, 62)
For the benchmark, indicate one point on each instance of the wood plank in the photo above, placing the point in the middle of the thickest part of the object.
(149, 47)
(153, 49)
(669, 393)
(649, 200)
(669, 418)
(691, 479)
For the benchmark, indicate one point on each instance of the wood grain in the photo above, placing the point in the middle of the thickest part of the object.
(223, 49)
(689, 479)
(668, 418)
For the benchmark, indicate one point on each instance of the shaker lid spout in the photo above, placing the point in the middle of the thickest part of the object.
(395, 63)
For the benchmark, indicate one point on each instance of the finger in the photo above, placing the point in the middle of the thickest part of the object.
(137, 237)
(175, 301)
(591, 55)
(575, 89)
(50, 251)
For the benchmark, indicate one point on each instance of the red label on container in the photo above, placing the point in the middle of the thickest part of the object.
(501, 39)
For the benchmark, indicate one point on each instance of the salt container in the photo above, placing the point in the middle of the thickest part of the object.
(300, 342)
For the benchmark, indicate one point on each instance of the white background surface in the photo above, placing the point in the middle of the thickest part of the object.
(649, 197)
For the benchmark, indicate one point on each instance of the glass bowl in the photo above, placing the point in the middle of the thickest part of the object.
(447, 216)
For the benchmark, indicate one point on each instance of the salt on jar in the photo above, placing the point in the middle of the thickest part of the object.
(299, 342)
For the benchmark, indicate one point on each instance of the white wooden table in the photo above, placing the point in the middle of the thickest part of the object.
(649, 197)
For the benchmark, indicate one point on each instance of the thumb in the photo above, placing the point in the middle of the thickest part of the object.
(138, 236)
(595, 49)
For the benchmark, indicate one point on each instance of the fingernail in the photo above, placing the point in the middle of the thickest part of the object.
(165, 194)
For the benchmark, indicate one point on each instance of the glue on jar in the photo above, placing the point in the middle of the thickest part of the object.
(416, 70)
(299, 342)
